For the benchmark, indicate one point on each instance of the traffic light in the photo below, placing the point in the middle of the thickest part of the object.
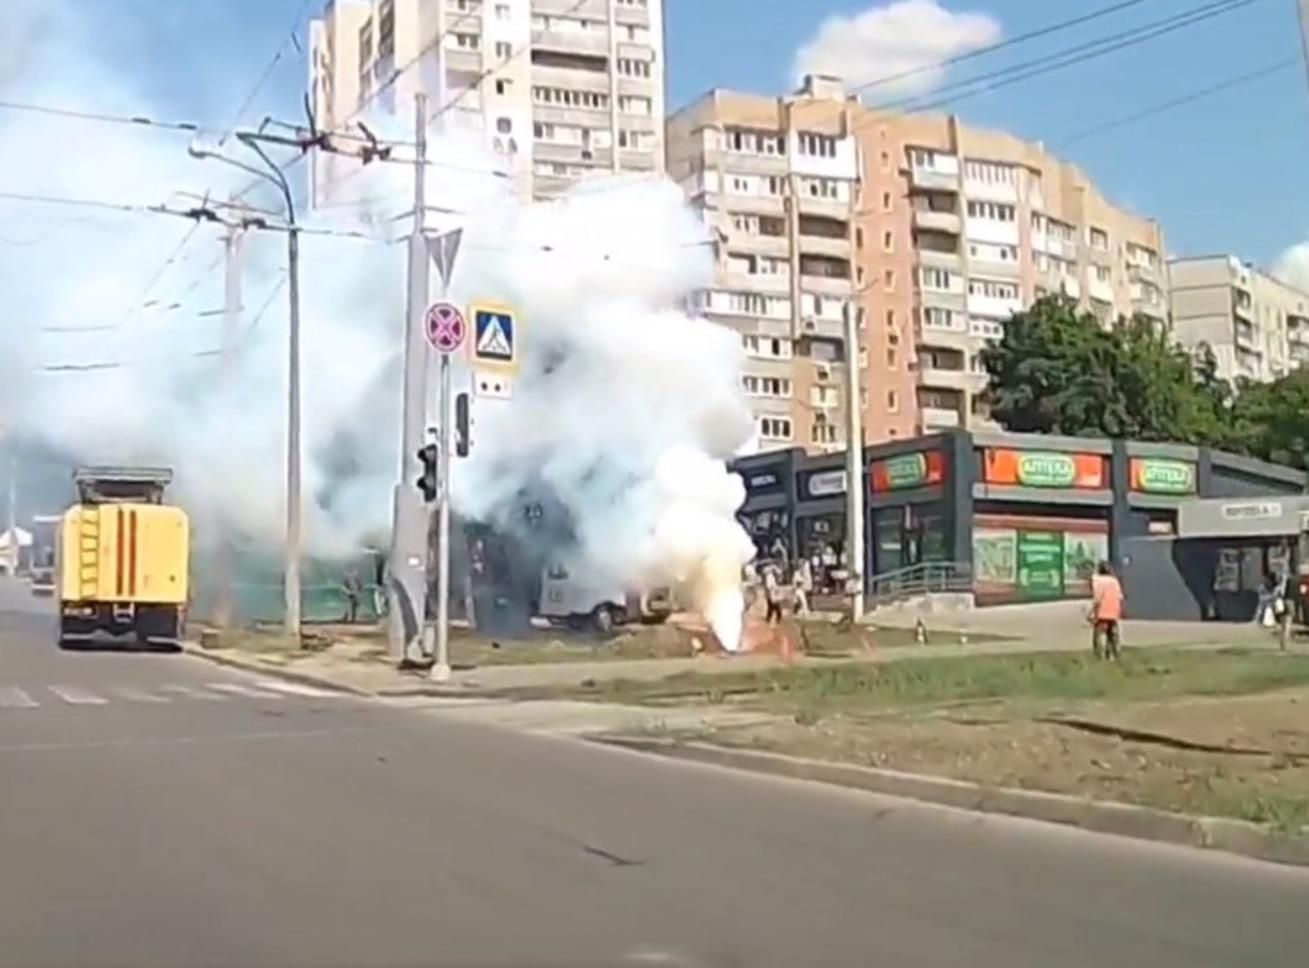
(463, 444)
(428, 482)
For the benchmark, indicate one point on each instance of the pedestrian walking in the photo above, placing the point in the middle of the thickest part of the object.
(803, 583)
(1106, 612)
(354, 590)
(772, 596)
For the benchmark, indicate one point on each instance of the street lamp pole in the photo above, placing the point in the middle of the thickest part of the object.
(274, 175)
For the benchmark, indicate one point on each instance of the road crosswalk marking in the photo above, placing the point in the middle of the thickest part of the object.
(11, 697)
(77, 696)
(34, 696)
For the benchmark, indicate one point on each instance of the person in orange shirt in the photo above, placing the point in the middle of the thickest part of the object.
(1106, 612)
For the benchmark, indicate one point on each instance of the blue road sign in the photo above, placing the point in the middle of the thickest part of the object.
(493, 336)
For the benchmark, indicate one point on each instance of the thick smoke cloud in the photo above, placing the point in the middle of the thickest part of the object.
(623, 413)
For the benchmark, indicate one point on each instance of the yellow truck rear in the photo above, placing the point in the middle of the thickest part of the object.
(123, 559)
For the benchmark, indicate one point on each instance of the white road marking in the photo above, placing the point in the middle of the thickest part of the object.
(190, 692)
(138, 695)
(11, 697)
(295, 689)
(77, 696)
(237, 689)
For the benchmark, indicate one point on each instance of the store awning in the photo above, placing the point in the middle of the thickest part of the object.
(1248, 517)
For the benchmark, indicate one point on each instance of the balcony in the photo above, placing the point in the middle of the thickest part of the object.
(590, 9)
(995, 268)
(822, 245)
(941, 299)
(753, 204)
(746, 162)
(934, 221)
(960, 380)
(773, 285)
(572, 41)
(994, 307)
(827, 286)
(934, 180)
(939, 418)
(1100, 290)
(758, 244)
(941, 260)
(823, 207)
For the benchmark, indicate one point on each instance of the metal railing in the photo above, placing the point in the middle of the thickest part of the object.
(926, 578)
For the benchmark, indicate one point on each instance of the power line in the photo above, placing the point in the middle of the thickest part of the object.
(1090, 50)
(1177, 102)
(267, 72)
(999, 45)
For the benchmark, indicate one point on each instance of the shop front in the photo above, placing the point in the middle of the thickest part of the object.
(820, 521)
(770, 496)
(1041, 518)
(910, 520)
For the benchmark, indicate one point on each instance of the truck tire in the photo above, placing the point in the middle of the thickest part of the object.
(603, 619)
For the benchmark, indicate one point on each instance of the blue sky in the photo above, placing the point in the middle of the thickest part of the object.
(1224, 173)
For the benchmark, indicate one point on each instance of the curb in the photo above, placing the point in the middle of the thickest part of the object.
(290, 675)
(1122, 819)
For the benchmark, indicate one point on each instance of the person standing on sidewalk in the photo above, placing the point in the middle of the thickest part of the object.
(1106, 612)
(803, 583)
(772, 595)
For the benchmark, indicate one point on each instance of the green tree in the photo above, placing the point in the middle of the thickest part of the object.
(1272, 419)
(1058, 370)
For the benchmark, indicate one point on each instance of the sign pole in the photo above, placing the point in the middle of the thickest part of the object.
(441, 665)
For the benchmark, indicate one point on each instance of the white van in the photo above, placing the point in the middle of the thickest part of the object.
(581, 604)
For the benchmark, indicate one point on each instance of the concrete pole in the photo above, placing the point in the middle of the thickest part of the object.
(11, 514)
(614, 128)
(1303, 10)
(854, 467)
(293, 486)
(232, 265)
(441, 665)
(407, 584)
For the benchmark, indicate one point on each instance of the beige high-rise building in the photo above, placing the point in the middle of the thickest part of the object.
(932, 231)
(548, 85)
(1256, 325)
(961, 228)
(776, 180)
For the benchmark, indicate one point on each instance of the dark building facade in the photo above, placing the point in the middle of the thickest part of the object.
(1027, 516)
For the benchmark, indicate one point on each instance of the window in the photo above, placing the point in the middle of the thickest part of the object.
(934, 317)
(822, 188)
(1102, 273)
(934, 278)
(824, 396)
(502, 11)
(990, 173)
(992, 289)
(995, 253)
(888, 280)
(992, 210)
(888, 240)
(635, 105)
(566, 97)
(503, 50)
(386, 29)
(501, 86)
(892, 401)
(504, 125)
(817, 145)
(365, 46)
(775, 428)
(751, 142)
(823, 432)
(766, 386)
(858, 238)
(633, 68)
(892, 359)
(1099, 239)
(470, 42)
(766, 348)
(886, 201)
(890, 319)
(886, 161)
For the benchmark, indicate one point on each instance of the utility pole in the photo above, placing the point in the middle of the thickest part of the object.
(233, 244)
(408, 560)
(616, 162)
(441, 663)
(1303, 10)
(854, 467)
(11, 515)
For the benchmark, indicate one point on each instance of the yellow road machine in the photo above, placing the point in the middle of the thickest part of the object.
(123, 558)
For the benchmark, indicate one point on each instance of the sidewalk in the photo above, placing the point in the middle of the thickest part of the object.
(360, 666)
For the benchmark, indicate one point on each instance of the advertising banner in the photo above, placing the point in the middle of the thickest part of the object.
(1154, 475)
(1051, 469)
(905, 471)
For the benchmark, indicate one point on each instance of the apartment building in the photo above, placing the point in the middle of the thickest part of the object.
(958, 228)
(1256, 325)
(553, 88)
(776, 180)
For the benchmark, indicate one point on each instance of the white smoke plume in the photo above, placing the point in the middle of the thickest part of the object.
(624, 411)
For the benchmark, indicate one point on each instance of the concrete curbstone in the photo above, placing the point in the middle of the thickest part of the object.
(1122, 819)
(290, 675)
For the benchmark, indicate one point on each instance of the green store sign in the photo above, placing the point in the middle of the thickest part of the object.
(1047, 470)
(1155, 476)
(909, 470)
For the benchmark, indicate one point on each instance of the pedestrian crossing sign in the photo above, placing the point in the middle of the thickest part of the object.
(495, 336)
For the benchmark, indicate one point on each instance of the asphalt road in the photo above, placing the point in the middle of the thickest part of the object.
(158, 810)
